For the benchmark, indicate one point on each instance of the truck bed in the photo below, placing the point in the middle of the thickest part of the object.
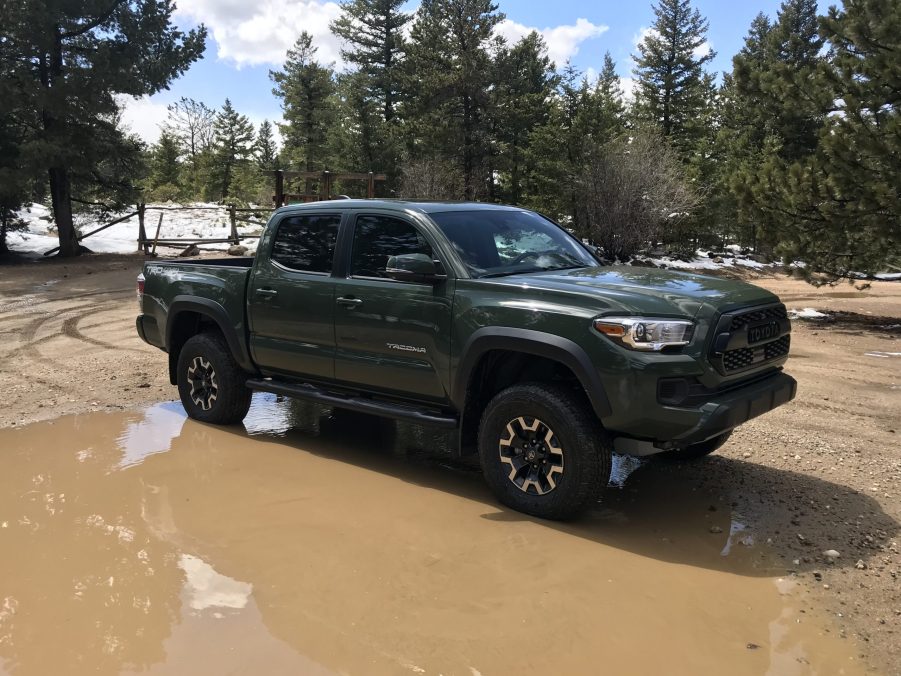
(214, 287)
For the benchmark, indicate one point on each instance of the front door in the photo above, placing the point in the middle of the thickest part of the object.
(391, 335)
(291, 303)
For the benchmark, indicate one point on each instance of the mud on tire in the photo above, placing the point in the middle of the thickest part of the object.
(543, 452)
(210, 382)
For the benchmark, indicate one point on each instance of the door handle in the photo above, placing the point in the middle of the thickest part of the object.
(269, 293)
(349, 301)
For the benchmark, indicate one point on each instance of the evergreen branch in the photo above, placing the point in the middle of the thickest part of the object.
(91, 25)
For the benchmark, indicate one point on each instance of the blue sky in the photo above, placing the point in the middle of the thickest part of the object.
(247, 39)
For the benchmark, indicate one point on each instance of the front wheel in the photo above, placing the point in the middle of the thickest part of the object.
(210, 382)
(543, 452)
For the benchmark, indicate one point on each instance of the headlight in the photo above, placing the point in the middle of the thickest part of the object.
(646, 334)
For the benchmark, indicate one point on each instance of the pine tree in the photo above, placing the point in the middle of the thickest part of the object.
(373, 33)
(601, 114)
(775, 107)
(265, 150)
(233, 139)
(14, 177)
(72, 60)
(609, 93)
(841, 206)
(165, 161)
(447, 91)
(746, 130)
(361, 139)
(521, 102)
(307, 91)
(673, 90)
(557, 150)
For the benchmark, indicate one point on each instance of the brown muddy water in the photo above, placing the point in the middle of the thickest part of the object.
(309, 542)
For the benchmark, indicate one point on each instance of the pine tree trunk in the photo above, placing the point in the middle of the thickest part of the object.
(60, 195)
(4, 249)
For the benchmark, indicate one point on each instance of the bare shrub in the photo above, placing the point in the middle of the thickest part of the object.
(430, 179)
(631, 190)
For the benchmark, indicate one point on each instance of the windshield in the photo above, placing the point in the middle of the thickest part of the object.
(494, 243)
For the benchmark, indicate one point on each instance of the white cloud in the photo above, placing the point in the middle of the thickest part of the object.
(562, 41)
(643, 33)
(143, 117)
(627, 86)
(254, 33)
(703, 49)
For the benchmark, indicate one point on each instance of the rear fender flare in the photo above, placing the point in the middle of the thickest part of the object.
(237, 343)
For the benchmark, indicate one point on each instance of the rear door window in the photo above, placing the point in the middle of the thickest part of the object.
(306, 243)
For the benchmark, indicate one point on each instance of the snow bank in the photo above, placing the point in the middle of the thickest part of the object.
(703, 261)
(807, 313)
(210, 222)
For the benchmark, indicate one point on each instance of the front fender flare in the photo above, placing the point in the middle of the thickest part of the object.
(538, 343)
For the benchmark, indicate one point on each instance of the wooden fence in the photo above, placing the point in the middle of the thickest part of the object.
(148, 246)
(324, 182)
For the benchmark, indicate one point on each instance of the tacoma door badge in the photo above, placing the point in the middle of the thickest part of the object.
(405, 348)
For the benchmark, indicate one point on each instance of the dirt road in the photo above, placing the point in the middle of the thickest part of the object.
(683, 568)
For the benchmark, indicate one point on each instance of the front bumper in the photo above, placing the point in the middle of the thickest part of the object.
(731, 409)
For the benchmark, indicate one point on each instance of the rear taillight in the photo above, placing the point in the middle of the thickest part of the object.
(140, 289)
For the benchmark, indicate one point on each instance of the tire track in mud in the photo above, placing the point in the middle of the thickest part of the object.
(29, 347)
(70, 329)
(28, 333)
(31, 301)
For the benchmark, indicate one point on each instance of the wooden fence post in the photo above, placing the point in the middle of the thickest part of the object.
(279, 188)
(142, 233)
(156, 238)
(233, 217)
(370, 186)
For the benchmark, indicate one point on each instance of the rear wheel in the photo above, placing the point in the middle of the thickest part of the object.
(210, 382)
(543, 452)
(695, 451)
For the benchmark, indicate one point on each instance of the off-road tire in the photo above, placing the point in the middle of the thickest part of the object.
(232, 398)
(695, 451)
(566, 418)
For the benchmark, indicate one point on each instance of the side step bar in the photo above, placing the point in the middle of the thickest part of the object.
(380, 408)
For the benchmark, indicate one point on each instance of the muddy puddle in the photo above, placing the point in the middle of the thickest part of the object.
(314, 543)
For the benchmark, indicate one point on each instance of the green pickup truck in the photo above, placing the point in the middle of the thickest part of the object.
(489, 320)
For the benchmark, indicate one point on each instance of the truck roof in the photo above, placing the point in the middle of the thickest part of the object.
(425, 207)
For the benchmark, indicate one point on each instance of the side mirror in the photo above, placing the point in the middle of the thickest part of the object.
(414, 267)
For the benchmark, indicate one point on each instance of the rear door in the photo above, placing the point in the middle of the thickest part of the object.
(291, 304)
(391, 335)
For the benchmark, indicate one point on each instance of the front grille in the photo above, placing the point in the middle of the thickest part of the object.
(773, 313)
(778, 348)
(736, 360)
(750, 338)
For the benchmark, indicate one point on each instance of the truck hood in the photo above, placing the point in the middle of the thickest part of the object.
(648, 290)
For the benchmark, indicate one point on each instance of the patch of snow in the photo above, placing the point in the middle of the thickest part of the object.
(888, 276)
(748, 263)
(211, 221)
(882, 355)
(806, 313)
